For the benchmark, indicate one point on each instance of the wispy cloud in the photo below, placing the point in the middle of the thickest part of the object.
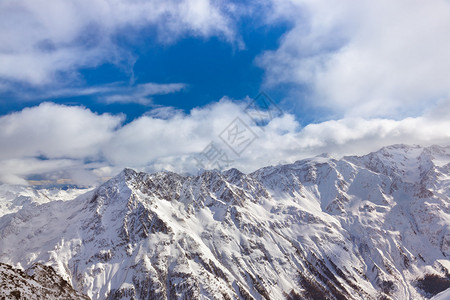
(117, 92)
(142, 93)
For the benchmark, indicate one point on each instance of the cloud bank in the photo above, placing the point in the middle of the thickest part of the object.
(75, 143)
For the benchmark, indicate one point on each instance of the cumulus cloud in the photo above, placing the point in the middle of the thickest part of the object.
(154, 140)
(55, 131)
(41, 44)
(370, 58)
(75, 143)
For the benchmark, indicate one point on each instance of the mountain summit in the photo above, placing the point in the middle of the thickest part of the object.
(369, 227)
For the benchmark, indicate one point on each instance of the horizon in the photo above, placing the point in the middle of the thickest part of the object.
(65, 183)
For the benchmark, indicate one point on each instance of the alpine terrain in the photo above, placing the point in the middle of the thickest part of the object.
(369, 227)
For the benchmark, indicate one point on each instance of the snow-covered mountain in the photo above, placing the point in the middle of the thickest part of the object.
(370, 227)
(14, 197)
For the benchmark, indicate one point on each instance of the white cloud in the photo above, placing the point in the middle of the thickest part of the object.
(373, 63)
(116, 92)
(142, 93)
(14, 171)
(41, 44)
(370, 58)
(71, 136)
(153, 139)
(55, 131)
(365, 58)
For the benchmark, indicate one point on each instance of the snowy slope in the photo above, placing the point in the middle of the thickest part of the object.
(14, 197)
(369, 227)
(445, 295)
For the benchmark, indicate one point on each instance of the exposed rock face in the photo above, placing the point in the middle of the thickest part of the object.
(371, 227)
(37, 282)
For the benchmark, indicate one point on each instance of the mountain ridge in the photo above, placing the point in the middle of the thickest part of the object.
(368, 227)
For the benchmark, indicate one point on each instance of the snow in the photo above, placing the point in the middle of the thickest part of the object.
(15, 197)
(380, 218)
(445, 295)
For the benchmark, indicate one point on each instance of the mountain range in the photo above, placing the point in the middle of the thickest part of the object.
(361, 227)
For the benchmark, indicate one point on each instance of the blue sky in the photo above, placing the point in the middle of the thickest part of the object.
(90, 87)
(210, 68)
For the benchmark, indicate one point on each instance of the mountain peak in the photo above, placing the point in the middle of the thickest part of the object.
(357, 228)
(127, 174)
